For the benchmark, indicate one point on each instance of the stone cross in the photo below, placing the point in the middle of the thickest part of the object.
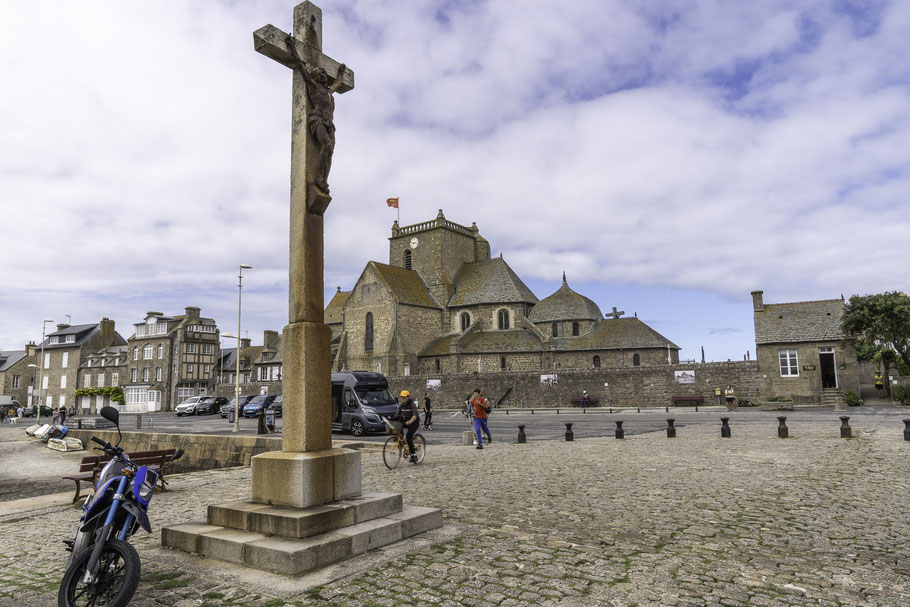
(614, 313)
(307, 365)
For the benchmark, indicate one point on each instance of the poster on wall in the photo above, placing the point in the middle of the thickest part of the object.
(549, 379)
(434, 384)
(685, 377)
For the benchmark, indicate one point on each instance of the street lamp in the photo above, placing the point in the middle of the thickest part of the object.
(236, 428)
(40, 373)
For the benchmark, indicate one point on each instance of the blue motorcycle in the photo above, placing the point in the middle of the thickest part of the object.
(104, 568)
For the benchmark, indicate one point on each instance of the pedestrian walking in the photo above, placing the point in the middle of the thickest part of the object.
(20, 412)
(55, 417)
(62, 416)
(480, 407)
(427, 412)
(730, 397)
(584, 400)
(880, 384)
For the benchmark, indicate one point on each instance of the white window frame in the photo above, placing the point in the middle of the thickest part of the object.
(63, 382)
(100, 380)
(134, 375)
(135, 352)
(65, 360)
(790, 358)
(70, 339)
(87, 380)
(147, 352)
(44, 383)
(47, 360)
(146, 373)
(15, 381)
(190, 348)
(160, 351)
(115, 379)
(158, 374)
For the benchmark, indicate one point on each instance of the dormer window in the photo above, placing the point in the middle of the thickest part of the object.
(70, 339)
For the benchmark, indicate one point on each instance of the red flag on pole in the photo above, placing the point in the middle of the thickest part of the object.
(392, 202)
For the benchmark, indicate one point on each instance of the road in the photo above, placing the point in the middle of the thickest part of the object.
(547, 424)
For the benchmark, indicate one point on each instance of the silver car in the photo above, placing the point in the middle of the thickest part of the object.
(187, 407)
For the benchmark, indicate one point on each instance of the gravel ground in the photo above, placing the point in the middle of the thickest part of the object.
(696, 520)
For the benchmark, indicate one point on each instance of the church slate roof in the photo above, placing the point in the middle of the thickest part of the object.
(565, 304)
(438, 347)
(489, 281)
(332, 313)
(405, 285)
(613, 333)
(799, 321)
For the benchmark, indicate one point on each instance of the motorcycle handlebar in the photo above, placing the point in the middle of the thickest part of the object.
(95, 439)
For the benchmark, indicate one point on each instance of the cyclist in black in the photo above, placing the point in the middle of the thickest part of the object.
(407, 414)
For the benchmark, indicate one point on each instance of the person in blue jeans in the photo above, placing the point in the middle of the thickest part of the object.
(479, 406)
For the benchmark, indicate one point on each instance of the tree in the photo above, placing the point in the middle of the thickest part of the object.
(877, 321)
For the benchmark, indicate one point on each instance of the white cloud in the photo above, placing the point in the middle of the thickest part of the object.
(713, 146)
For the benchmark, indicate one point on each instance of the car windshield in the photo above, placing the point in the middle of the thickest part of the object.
(375, 396)
(259, 400)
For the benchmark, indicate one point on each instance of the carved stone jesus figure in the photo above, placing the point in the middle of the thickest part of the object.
(320, 120)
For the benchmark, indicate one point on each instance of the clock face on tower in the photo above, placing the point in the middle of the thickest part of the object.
(414, 242)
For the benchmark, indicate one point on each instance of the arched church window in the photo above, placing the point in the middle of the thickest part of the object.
(465, 321)
(597, 362)
(437, 365)
(407, 259)
(574, 329)
(555, 328)
(502, 363)
(368, 333)
(503, 320)
(636, 360)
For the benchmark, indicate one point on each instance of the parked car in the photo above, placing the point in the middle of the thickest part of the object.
(188, 407)
(244, 399)
(30, 411)
(209, 405)
(258, 403)
(276, 405)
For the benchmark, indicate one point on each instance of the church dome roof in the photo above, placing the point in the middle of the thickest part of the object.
(565, 304)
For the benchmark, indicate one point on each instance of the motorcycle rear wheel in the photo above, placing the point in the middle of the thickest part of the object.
(118, 578)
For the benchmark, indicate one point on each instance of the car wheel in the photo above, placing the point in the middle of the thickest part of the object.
(357, 427)
(179, 414)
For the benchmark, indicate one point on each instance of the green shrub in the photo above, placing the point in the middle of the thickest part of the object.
(901, 393)
(746, 403)
(851, 399)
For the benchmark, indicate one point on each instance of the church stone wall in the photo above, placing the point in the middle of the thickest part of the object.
(370, 295)
(651, 386)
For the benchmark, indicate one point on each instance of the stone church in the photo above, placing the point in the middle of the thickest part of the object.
(443, 305)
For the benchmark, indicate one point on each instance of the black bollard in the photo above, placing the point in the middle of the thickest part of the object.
(639, 409)
(620, 433)
(79, 424)
(671, 430)
(666, 409)
(696, 408)
(907, 429)
(725, 427)
(845, 431)
(138, 421)
(611, 409)
(782, 430)
(532, 411)
(521, 434)
(569, 435)
(557, 412)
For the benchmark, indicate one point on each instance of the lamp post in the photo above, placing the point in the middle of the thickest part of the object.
(237, 337)
(41, 373)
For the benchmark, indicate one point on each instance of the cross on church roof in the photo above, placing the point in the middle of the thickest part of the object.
(614, 313)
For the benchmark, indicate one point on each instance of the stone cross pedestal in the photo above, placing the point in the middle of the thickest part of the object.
(307, 509)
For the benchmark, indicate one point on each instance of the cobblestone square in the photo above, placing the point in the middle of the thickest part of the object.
(696, 520)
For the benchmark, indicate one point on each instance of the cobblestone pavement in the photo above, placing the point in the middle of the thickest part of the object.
(696, 520)
(27, 470)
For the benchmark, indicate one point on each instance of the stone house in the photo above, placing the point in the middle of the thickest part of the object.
(801, 351)
(443, 305)
(16, 378)
(170, 358)
(65, 352)
(105, 368)
(260, 367)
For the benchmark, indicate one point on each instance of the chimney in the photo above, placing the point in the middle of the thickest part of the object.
(61, 326)
(153, 313)
(192, 313)
(270, 339)
(757, 303)
(107, 331)
(244, 343)
(30, 349)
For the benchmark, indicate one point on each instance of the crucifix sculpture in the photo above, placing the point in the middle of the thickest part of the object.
(614, 314)
(306, 383)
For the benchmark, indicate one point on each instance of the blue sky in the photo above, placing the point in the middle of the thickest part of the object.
(669, 156)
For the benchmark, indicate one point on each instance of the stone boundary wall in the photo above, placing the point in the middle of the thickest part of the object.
(651, 386)
(202, 451)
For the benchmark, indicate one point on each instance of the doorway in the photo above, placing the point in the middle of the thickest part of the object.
(828, 368)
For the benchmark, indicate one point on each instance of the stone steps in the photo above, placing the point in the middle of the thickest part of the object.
(294, 540)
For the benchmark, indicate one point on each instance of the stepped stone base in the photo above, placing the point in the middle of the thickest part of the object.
(294, 540)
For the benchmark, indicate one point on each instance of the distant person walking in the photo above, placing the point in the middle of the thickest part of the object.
(730, 397)
(584, 400)
(427, 412)
(880, 384)
(55, 418)
(62, 416)
(479, 409)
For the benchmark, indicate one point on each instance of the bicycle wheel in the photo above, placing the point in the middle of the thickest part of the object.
(420, 447)
(391, 453)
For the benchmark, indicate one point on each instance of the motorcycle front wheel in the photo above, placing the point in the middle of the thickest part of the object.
(117, 580)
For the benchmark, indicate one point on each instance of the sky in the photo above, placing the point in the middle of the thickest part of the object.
(669, 156)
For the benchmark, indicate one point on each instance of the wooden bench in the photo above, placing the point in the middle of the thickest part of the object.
(91, 465)
(576, 401)
(688, 399)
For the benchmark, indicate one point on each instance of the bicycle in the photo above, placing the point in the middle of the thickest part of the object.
(396, 446)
